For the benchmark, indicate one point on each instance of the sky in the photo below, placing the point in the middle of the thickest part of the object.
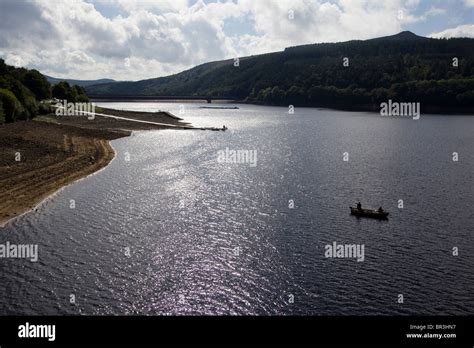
(140, 39)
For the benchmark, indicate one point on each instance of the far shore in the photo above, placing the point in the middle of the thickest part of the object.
(372, 108)
(41, 156)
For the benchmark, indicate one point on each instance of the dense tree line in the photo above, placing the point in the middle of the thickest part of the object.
(438, 73)
(22, 90)
(63, 90)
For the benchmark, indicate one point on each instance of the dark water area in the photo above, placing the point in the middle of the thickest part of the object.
(167, 228)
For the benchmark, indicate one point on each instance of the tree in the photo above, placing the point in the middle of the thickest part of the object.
(296, 95)
(2, 113)
(80, 95)
(278, 95)
(72, 94)
(63, 91)
(10, 105)
(264, 94)
(23, 95)
(21, 89)
(466, 98)
(38, 84)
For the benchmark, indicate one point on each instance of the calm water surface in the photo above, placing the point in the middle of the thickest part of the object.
(167, 229)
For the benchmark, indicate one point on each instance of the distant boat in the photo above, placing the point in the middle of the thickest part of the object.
(370, 213)
(219, 107)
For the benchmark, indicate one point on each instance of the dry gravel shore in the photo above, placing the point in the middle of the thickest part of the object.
(37, 158)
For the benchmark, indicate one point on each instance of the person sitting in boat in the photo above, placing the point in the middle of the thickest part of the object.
(380, 210)
(359, 206)
(224, 127)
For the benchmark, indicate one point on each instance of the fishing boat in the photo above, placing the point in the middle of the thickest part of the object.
(370, 213)
(220, 107)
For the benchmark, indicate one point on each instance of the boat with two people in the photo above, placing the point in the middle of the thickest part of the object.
(369, 213)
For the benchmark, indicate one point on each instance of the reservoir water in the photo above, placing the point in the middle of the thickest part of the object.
(168, 228)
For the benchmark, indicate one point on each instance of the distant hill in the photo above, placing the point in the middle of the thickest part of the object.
(82, 83)
(404, 35)
(438, 73)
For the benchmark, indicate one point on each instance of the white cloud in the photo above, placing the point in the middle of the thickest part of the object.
(460, 31)
(469, 3)
(435, 11)
(72, 38)
(318, 21)
(161, 6)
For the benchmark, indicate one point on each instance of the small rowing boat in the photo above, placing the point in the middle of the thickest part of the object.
(219, 107)
(370, 213)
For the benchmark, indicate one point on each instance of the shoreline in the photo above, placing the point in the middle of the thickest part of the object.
(101, 164)
(429, 110)
(372, 108)
(56, 152)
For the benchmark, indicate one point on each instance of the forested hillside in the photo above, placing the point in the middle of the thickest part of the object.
(438, 73)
